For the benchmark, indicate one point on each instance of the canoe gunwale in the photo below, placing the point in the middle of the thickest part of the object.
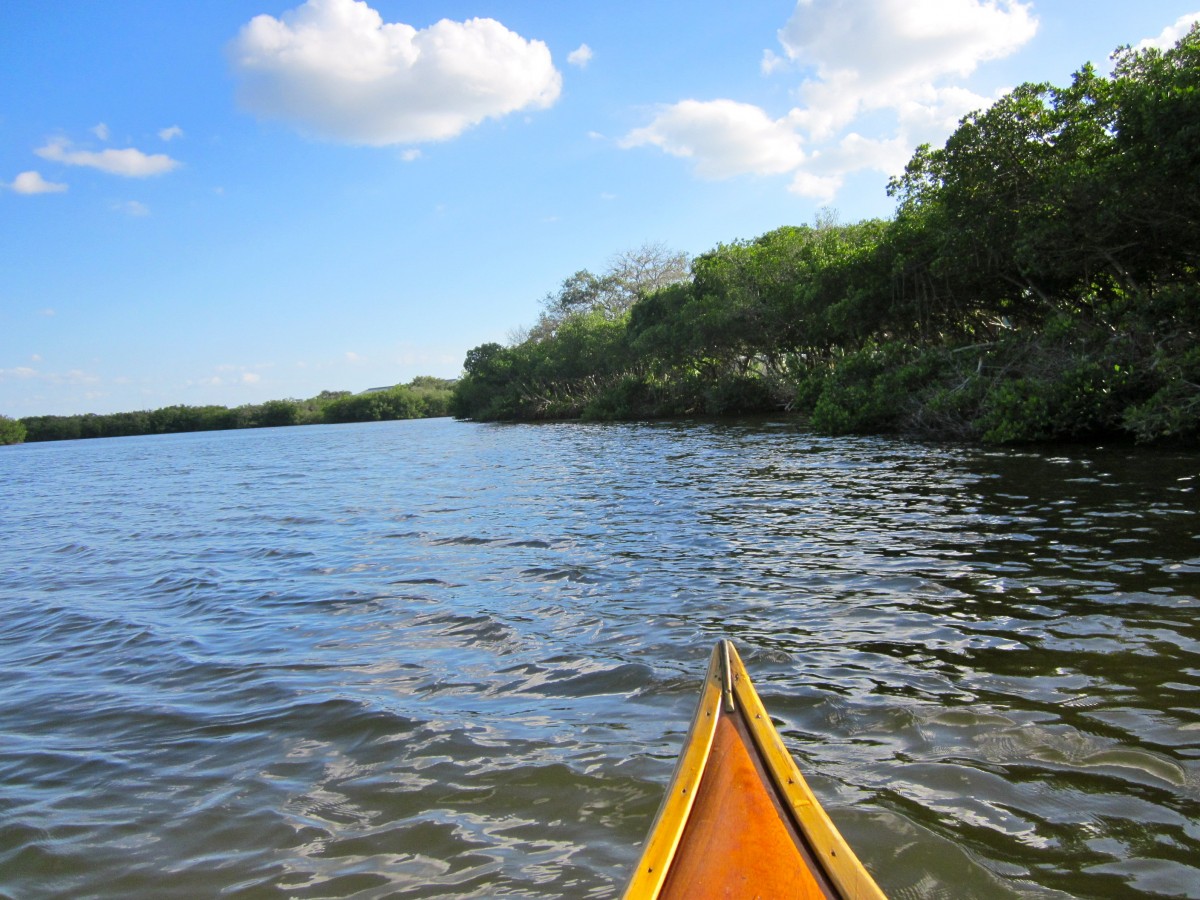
(729, 691)
(667, 830)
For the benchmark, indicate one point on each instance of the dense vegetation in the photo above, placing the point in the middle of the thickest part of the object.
(423, 397)
(11, 431)
(1039, 281)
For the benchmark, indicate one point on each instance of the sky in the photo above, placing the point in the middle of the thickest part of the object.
(242, 200)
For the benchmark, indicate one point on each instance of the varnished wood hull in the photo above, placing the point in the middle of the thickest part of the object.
(739, 819)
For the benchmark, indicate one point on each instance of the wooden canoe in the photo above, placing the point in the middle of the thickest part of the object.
(739, 819)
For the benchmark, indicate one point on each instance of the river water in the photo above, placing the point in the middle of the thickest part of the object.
(434, 658)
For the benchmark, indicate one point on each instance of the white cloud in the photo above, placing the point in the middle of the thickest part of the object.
(884, 54)
(335, 69)
(722, 138)
(879, 77)
(411, 155)
(251, 378)
(101, 131)
(821, 188)
(1170, 35)
(129, 162)
(170, 133)
(580, 56)
(34, 183)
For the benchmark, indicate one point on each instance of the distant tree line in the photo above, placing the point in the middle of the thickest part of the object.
(1039, 281)
(423, 397)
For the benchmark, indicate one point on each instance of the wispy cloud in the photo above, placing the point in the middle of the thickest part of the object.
(335, 69)
(33, 183)
(171, 133)
(20, 373)
(132, 208)
(580, 56)
(862, 62)
(74, 377)
(130, 162)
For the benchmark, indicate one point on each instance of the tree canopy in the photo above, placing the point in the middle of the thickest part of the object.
(1039, 281)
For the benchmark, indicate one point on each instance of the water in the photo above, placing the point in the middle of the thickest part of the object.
(440, 659)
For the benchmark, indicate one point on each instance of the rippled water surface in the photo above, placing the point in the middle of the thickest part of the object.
(442, 659)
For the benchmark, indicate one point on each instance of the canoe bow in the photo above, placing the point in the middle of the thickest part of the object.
(738, 819)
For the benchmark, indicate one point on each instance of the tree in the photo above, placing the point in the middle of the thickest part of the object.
(11, 431)
(631, 275)
(637, 273)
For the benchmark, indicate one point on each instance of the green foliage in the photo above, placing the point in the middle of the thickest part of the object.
(1040, 281)
(875, 390)
(424, 397)
(375, 406)
(11, 431)
(1172, 413)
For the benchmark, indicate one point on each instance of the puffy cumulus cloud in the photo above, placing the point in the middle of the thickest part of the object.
(876, 78)
(1171, 34)
(34, 183)
(335, 69)
(885, 54)
(722, 138)
(130, 162)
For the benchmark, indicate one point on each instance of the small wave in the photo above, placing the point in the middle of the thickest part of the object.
(74, 549)
(629, 679)
(476, 630)
(465, 540)
(576, 574)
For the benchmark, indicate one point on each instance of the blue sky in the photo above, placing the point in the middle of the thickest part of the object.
(241, 200)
